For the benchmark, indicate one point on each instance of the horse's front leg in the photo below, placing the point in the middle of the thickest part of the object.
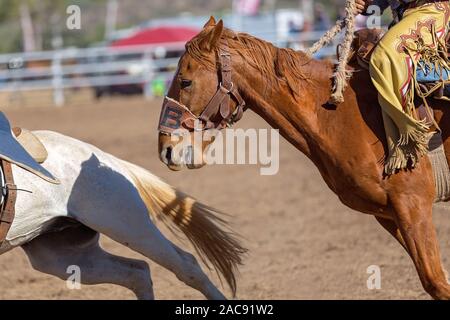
(393, 229)
(413, 216)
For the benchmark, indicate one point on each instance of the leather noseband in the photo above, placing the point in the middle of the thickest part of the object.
(175, 115)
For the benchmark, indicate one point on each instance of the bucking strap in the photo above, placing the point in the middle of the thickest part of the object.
(7, 211)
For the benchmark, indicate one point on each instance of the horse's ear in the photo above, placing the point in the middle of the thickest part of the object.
(213, 37)
(211, 22)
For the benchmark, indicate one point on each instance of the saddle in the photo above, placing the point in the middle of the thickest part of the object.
(364, 43)
(22, 148)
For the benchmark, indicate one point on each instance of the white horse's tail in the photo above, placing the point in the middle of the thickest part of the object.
(202, 225)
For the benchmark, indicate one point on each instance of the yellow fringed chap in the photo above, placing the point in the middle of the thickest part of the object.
(420, 34)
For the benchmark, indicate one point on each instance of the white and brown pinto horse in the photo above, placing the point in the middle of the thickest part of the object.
(59, 225)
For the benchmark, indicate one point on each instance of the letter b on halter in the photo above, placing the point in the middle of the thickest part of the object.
(171, 118)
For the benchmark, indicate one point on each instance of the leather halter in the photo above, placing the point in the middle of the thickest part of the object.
(175, 115)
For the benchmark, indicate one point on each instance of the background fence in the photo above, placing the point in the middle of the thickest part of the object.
(137, 69)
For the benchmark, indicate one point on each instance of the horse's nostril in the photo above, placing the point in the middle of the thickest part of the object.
(169, 154)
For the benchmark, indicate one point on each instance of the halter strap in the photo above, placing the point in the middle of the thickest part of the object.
(174, 114)
(220, 102)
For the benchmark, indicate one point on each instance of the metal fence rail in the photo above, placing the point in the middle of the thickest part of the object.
(101, 67)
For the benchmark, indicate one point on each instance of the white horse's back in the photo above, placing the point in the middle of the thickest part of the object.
(67, 159)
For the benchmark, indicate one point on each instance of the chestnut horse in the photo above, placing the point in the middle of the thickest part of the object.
(346, 142)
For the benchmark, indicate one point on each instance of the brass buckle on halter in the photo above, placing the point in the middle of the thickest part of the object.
(228, 91)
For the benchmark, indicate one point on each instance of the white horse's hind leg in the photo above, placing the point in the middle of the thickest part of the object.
(106, 201)
(53, 253)
(141, 235)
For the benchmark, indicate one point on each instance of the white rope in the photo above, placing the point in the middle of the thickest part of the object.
(327, 37)
(341, 75)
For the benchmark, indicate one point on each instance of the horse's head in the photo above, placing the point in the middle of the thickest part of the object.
(202, 98)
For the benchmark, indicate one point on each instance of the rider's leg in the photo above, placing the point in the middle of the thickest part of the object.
(53, 253)
(391, 70)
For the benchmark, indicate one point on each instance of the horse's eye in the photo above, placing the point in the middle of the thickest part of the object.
(185, 84)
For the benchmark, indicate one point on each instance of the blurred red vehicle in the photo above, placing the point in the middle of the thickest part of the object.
(170, 39)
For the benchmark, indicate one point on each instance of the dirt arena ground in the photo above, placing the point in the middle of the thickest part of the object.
(303, 243)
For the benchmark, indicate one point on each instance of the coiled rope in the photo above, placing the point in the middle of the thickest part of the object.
(341, 74)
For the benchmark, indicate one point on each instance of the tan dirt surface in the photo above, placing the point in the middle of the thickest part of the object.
(303, 243)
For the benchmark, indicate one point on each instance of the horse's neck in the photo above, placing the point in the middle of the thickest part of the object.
(298, 119)
(327, 134)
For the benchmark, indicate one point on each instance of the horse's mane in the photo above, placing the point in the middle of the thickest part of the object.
(275, 64)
